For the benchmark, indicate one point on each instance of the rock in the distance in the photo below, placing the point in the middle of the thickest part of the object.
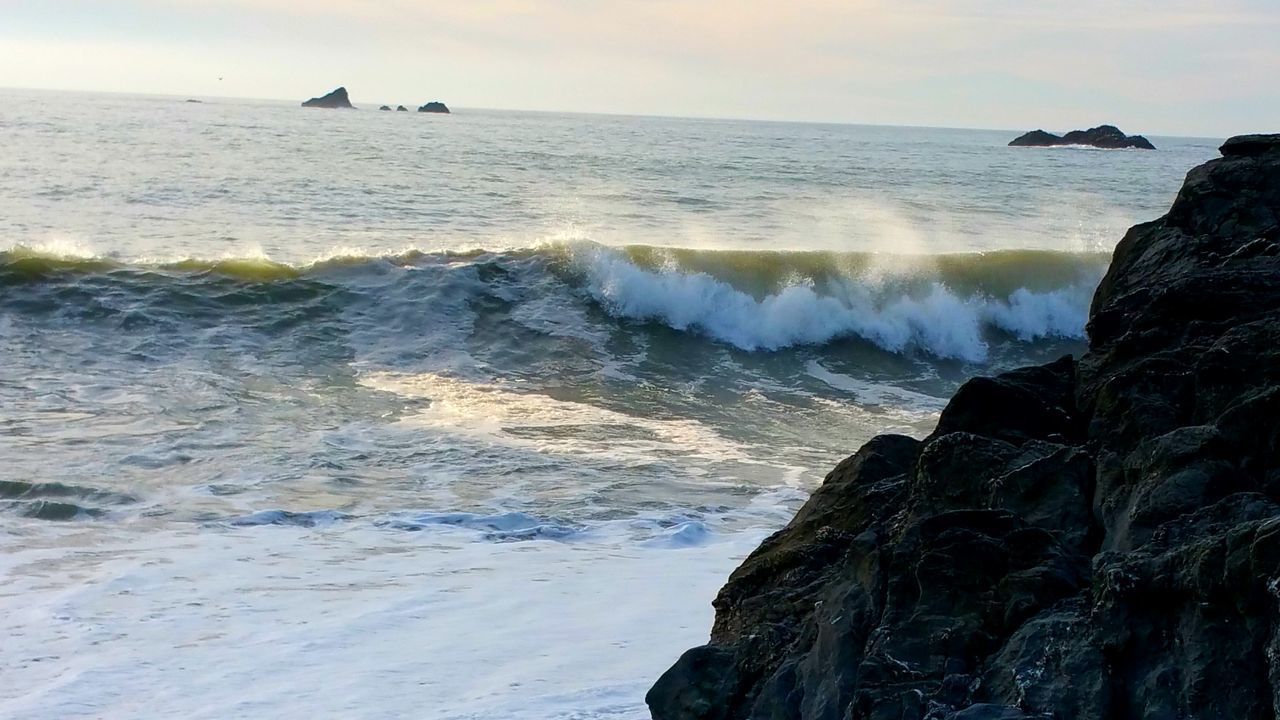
(1104, 136)
(336, 99)
(434, 107)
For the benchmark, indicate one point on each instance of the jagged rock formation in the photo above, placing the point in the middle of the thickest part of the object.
(336, 99)
(1103, 136)
(385, 108)
(434, 107)
(1089, 540)
(401, 108)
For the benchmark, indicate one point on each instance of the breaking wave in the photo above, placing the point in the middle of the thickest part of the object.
(948, 306)
(895, 311)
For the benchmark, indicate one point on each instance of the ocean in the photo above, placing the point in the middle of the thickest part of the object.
(360, 414)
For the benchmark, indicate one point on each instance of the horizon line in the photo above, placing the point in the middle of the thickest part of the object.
(599, 113)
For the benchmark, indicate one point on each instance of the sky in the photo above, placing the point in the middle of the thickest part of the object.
(1172, 67)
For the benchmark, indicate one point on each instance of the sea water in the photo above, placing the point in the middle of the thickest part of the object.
(343, 414)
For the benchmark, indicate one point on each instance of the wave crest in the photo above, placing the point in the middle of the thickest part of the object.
(945, 305)
(896, 312)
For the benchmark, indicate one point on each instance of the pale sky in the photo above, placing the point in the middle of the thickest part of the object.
(1186, 67)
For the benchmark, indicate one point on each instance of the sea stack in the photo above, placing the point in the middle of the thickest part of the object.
(1089, 539)
(385, 108)
(434, 107)
(1104, 136)
(336, 99)
(401, 108)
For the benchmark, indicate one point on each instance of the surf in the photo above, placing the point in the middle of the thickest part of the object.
(945, 305)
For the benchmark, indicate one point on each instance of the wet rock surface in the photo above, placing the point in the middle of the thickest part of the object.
(1088, 540)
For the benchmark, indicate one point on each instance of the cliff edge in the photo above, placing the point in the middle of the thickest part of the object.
(1086, 540)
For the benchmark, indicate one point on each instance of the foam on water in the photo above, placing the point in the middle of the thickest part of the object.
(530, 419)
(355, 621)
(868, 393)
(938, 321)
(944, 306)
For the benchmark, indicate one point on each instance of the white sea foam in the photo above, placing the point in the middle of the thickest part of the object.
(937, 321)
(1031, 316)
(351, 621)
(879, 395)
(501, 413)
(58, 247)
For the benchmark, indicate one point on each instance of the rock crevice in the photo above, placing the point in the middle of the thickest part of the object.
(1090, 539)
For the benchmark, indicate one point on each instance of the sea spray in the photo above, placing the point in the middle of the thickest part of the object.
(945, 306)
(895, 313)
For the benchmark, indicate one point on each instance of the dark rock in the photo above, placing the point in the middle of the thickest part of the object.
(1242, 145)
(987, 711)
(692, 686)
(434, 107)
(336, 99)
(385, 108)
(1090, 540)
(401, 108)
(1104, 136)
(198, 102)
(1036, 138)
(1043, 399)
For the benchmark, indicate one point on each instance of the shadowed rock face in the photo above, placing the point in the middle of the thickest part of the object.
(434, 107)
(336, 99)
(1088, 540)
(1103, 136)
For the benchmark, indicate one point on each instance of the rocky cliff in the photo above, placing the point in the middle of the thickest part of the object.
(1086, 540)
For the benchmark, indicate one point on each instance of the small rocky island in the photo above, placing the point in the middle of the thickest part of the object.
(336, 99)
(1091, 539)
(1104, 136)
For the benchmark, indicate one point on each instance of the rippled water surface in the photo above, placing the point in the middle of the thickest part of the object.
(363, 414)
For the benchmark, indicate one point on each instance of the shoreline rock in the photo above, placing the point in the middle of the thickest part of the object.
(1104, 136)
(335, 100)
(434, 106)
(1090, 539)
